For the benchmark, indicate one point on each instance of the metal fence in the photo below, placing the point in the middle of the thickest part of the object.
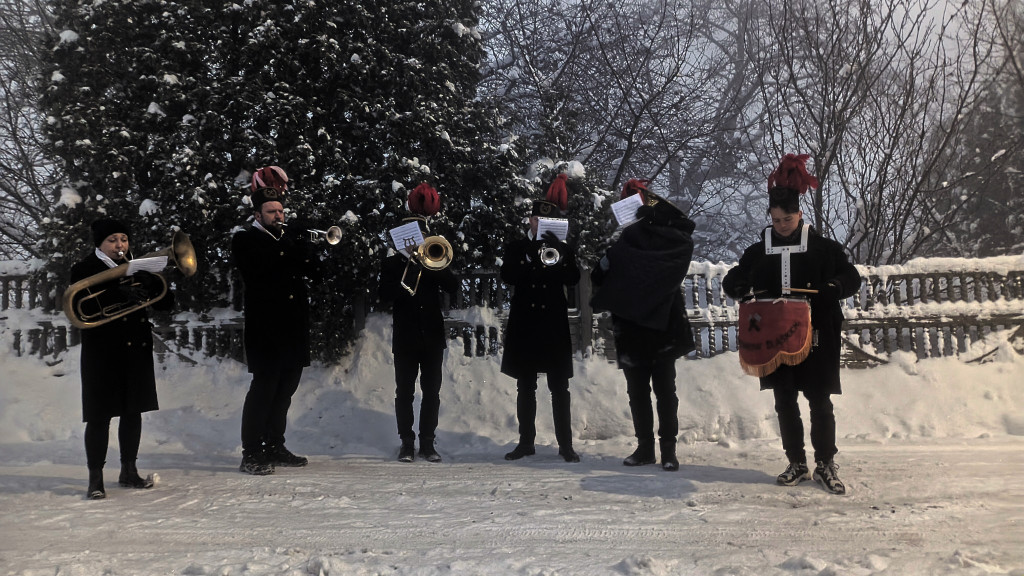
(930, 307)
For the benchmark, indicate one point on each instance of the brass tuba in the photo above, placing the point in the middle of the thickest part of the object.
(434, 254)
(180, 254)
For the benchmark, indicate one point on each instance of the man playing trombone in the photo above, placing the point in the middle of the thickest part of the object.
(274, 265)
(412, 282)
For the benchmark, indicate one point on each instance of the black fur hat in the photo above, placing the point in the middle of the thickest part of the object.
(104, 227)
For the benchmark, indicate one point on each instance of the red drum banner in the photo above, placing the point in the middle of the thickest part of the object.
(772, 333)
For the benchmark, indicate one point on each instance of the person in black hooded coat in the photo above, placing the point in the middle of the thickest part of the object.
(820, 265)
(639, 280)
(117, 357)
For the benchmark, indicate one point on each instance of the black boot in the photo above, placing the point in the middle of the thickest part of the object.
(130, 478)
(668, 455)
(568, 454)
(95, 490)
(643, 455)
(521, 450)
(407, 451)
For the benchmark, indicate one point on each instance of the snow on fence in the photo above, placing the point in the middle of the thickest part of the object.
(928, 307)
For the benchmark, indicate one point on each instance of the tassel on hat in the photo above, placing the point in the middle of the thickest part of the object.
(556, 199)
(424, 200)
(792, 174)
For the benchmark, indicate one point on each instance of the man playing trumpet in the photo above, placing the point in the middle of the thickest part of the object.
(274, 265)
(418, 341)
(537, 335)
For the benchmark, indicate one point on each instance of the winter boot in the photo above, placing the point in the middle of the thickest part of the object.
(95, 490)
(568, 454)
(407, 452)
(643, 455)
(130, 478)
(427, 450)
(521, 450)
(669, 461)
(278, 455)
(795, 473)
(827, 474)
(255, 463)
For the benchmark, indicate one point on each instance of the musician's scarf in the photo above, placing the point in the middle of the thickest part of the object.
(646, 268)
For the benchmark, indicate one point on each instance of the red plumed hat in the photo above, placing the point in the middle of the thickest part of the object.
(424, 200)
(555, 199)
(635, 186)
(269, 177)
(792, 174)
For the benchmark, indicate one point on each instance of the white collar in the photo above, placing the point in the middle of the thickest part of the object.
(105, 259)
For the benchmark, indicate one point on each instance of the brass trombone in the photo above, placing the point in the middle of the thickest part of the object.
(434, 254)
(180, 253)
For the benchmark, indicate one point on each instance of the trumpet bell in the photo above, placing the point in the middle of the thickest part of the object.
(549, 256)
(332, 235)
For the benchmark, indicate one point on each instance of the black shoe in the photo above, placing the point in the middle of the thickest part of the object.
(255, 464)
(827, 474)
(795, 473)
(669, 462)
(130, 478)
(407, 452)
(429, 454)
(281, 456)
(521, 450)
(95, 490)
(568, 454)
(642, 456)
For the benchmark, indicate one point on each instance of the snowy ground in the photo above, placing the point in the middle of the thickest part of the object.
(932, 453)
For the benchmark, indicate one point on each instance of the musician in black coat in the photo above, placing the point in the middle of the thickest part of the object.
(274, 265)
(537, 338)
(418, 340)
(639, 280)
(117, 356)
(818, 264)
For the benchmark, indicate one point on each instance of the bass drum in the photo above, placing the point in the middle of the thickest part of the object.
(773, 332)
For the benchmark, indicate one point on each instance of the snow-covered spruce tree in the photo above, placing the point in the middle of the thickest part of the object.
(160, 110)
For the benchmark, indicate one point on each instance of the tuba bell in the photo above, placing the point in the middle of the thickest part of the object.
(180, 254)
(435, 253)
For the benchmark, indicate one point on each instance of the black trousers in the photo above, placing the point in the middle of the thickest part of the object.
(97, 438)
(427, 363)
(791, 427)
(526, 409)
(265, 411)
(640, 382)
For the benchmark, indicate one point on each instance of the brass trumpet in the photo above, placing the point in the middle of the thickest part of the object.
(180, 254)
(332, 235)
(434, 254)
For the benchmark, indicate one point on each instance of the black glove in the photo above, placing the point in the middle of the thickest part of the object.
(551, 239)
(148, 280)
(740, 290)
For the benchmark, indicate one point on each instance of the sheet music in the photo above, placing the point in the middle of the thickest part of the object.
(407, 237)
(154, 264)
(625, 209)
(560, 226)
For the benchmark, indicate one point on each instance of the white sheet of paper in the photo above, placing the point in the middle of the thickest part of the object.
(625, 209)
(154, 264)
(560, 226)
(407, 237)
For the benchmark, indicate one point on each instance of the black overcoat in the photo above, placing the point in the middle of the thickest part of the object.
(117, 357)
(537, 338)
(824, 261)
(418, 321)
(276, 298)
(639, 281)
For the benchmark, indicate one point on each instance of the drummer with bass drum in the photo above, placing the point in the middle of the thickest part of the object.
(790, 260)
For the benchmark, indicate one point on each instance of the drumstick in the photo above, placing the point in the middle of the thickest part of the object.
(804, 290)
